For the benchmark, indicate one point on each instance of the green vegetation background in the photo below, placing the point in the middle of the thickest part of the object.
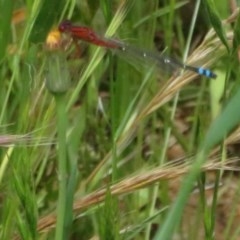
(87, 135)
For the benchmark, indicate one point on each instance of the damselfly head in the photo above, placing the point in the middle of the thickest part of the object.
(65, 26)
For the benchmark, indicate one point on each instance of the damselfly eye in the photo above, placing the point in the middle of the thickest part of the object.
(65, 26)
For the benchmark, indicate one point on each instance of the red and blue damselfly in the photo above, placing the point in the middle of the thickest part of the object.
(164, 62)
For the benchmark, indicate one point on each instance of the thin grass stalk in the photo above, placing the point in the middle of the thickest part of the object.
(62, 167)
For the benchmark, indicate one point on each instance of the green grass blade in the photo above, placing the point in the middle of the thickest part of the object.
(236, 36)
(48, 14)
(216, 21)
(6, 8)
(224, 124)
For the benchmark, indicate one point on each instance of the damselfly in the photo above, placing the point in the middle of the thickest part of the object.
(164, 62)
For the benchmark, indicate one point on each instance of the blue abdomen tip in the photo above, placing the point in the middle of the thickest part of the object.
(207, 73)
